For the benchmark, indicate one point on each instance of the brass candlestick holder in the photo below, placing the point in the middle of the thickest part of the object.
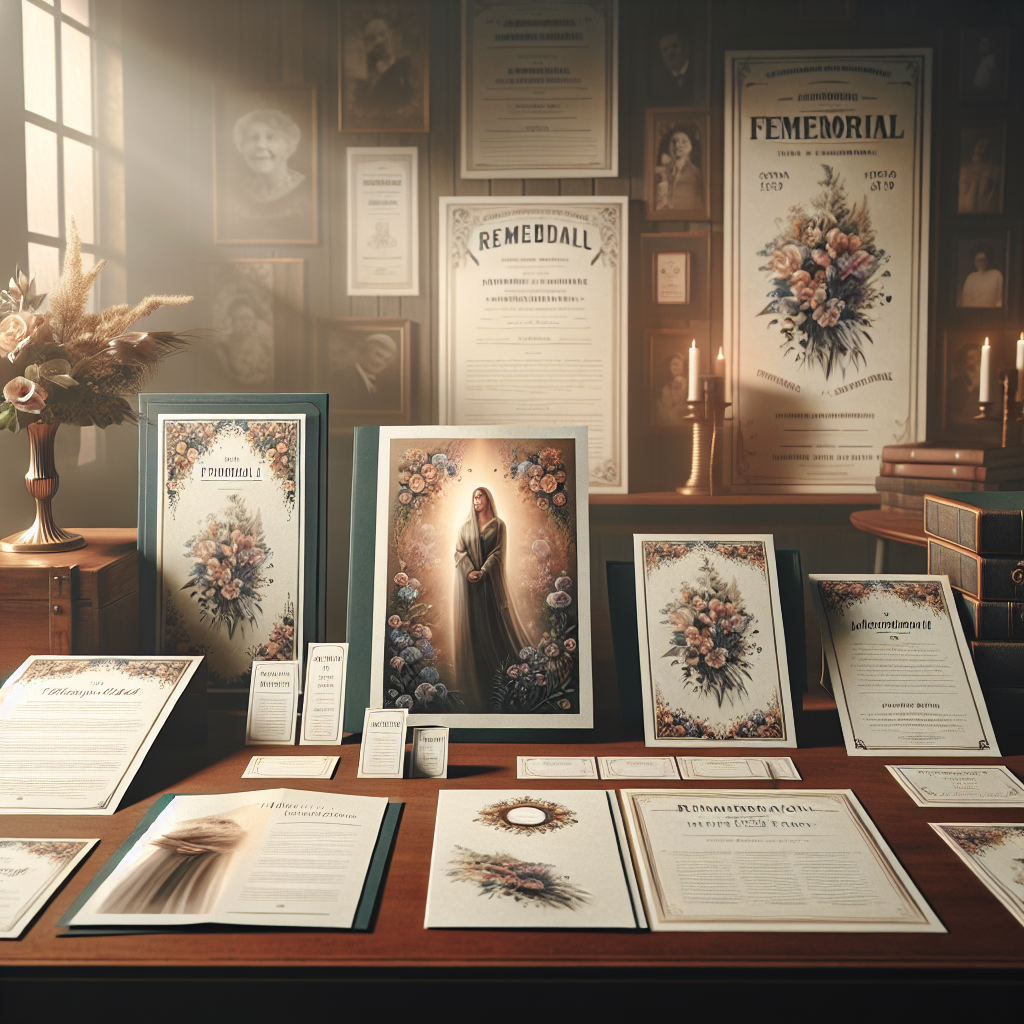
(706, 416)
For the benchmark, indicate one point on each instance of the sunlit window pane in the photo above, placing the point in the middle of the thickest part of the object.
(40, 61)
(41, 179)
(77, 9)
(76, 78)
(43, 265)
(78, 187)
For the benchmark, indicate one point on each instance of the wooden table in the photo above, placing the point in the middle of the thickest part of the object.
(908, 528)
(983, 944)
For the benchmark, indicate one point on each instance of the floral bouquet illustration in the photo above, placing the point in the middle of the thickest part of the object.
(712, 635)
(229, 560)
(502, 875)
(826, 276)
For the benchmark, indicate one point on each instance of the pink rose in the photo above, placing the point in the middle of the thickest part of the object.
(716, 659)
(394, 621)
(25, 395)
(416, 483)
(401, 579)
(548, 483)
(786, 261)
(282, 447)
(230, 591)
(821, 257)
(837, 242)
(853, 242)
(13, 331)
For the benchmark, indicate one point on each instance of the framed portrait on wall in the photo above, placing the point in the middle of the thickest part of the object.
(257, 312)
(365, 366)
(984, 58)
(980, 181)
(481, 586)
(961, 368)
(265, 164)
(678, 170)
(232, 528)
(676, 278)
(668, 354)
(676, 50)
(982, 275)
(383, 60)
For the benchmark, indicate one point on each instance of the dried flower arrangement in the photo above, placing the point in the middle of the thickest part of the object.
(71, 366)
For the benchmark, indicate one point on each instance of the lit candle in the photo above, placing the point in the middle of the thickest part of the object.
(985, 372)
(720, 362)
(692, 392)
(1020, 351)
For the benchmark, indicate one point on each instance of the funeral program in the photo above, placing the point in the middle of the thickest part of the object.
(826, 227)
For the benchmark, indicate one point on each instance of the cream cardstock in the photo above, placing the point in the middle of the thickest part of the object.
(382, 750)
(273, 703)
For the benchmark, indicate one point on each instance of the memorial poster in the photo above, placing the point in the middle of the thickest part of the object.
(826, 236)
(532, 319)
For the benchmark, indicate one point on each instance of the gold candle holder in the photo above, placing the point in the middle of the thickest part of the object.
(705, 417)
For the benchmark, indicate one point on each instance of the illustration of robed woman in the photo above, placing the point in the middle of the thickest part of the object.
(487, 630)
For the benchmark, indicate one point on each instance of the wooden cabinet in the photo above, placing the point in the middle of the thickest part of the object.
(70, 602)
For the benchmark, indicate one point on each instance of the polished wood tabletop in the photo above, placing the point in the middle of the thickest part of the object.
(904, 526)
(982, 935)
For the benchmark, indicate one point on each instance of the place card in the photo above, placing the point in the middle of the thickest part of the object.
(382, 750)
(273, 703)
(781, 768)
(323, 699)
(944, 785)
(556, 768)
(637, 768)
(429, 758)
(292, 767)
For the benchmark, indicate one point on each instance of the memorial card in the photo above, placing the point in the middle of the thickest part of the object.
(323, 699)
(481, 604)
(382, 750)
(273, 703)
(31, 871)
(901, 670)
(712, 860)
(638, 768)
(429, 756)
(738, 768)
(295, 767)
(77, 729)
(995, 853)
(949, 785)
(509, 859)
(712, 648)
(556, 768)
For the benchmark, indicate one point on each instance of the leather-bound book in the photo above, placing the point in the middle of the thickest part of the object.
(989, 522)
(987, 578)
(945, 453)
(991, 620)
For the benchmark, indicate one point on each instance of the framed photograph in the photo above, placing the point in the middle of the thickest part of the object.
(677, 164)
(481, 585)
(982, 272)
(265, 164)
(383, 221)
(365, 366)
(676, 279)
(984, 57)
(982, 167)
(540, 89)
(961, 366)
(532, 316)
(668, 350)
(257, 312)
(383, 55)
(676, 50)
(232, 528)
(712, 646)
(825, 294)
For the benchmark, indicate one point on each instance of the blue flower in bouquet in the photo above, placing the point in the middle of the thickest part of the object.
(400, 639)
(426, 647)
(408, 593)
(410, 655)
(429, 674)
(452, 469)
(405, 701)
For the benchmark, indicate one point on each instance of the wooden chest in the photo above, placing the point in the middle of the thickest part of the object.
(70, 602)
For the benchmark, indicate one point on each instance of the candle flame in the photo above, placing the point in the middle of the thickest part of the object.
(986, 345)
(693, 344)
(721, 354)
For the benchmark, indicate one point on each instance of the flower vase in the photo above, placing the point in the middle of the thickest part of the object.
(42, 482)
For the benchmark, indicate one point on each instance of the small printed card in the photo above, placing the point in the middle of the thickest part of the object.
(738, 768)
(31, 871)
(556, 768)
(323, 700)
(290, 768)
(382, 750)
(429, 758)
(273, 703)
(944, 785)
(637, 768)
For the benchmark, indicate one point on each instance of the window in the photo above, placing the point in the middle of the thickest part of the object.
(60, 142)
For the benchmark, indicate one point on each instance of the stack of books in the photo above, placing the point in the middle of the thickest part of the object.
(910, 471)
(977, 540)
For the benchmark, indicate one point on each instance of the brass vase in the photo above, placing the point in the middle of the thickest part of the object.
(42, 482)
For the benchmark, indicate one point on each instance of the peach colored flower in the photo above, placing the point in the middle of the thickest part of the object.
(25, 395)
(837, 243)
(786, 261)
(821, 257)
(548, 483)
(416, 483)
(282, 447)
(853, 242)
(230, 591)
(13, 331)
(716, 659)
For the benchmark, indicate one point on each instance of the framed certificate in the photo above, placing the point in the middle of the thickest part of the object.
(532, 319)
(383, 221)
(712, 648)
(540, 88)
(901, 670)
(674, 268)
(825, 311)
(232, 523)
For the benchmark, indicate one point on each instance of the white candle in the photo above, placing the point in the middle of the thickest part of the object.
(692, 392)
(1020, 351)
(720, 362)
(985, 372)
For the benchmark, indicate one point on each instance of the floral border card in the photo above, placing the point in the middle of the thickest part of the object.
(901, 670)
(959, 785)
(712, 648)
(231, 520)
(995, 854)
(481, 602)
